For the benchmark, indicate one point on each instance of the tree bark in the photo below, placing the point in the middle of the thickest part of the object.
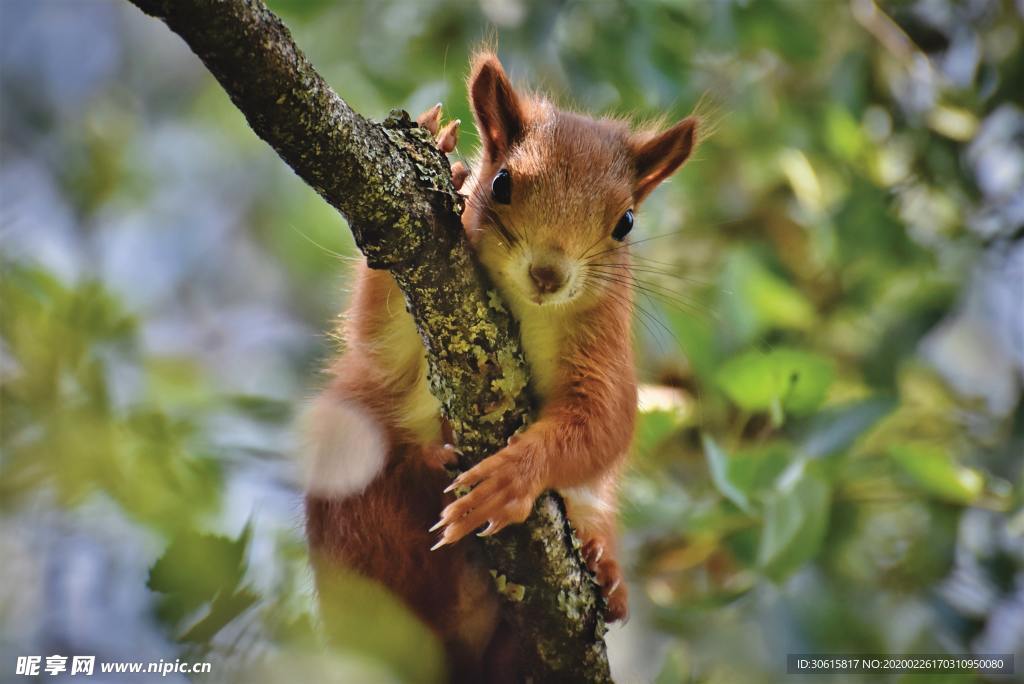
(394, 188)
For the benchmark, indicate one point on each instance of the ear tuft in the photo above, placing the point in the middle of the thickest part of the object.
(496, 106)
(657, 157)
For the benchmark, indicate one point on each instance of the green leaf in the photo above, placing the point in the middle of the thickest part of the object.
(794, 380)
(654, 504)
(835, 430)
(758, 300)
(697, 338)
(843, 133)
(676, 667)
(224, 608)
(361, 616)
(795, 521)
(743, 476)
(934, 471)
(719, 465)
(195, 569)
(777, 27)
(262, 409)
(654, 427)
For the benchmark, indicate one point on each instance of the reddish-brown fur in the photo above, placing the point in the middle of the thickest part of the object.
(572, 180)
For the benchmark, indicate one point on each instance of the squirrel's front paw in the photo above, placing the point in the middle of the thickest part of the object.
(609, 576)
(503, 493)
(446, 138)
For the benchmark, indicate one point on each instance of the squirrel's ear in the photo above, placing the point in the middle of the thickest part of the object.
(657, 157)
(498, 111)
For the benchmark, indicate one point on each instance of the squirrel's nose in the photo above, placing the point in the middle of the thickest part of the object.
(547, 278)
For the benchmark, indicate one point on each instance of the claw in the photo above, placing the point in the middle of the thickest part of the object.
(459, 481)
(460, 172)
(449, 136)
(615, 585)
(451, 487)
(489, 530)
(439, 544)
(440, 457)
(438, 525)
(430, 119)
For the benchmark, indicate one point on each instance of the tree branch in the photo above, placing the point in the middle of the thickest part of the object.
(394, 189)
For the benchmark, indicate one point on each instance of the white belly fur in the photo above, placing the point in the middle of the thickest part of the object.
(420, 411)
(588, 506)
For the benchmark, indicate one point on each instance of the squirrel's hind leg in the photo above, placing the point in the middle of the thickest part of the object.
(592, 512)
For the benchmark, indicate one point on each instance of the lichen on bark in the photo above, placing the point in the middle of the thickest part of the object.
(394, 188)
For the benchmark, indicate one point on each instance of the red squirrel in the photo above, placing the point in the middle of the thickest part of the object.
(549, 206)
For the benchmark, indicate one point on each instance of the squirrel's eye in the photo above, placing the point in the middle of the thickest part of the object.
(624, 225)
(501, 187)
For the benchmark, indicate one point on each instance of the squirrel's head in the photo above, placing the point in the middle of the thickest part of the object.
(553, 197)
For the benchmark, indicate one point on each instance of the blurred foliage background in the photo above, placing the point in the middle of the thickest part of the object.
(831, 334)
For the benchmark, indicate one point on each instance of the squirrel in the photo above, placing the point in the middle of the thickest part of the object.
(548, 210)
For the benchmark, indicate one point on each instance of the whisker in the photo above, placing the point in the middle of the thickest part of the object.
(499, 225)
(666, 295)
(632, 305)
(652, 317)
(509, 232)
(520, 235)
(468, 132)
(644, 317)
(654, 271)
(326, 250)
(641, 257)
(633, 243)
(586, 252)
(655, 264)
